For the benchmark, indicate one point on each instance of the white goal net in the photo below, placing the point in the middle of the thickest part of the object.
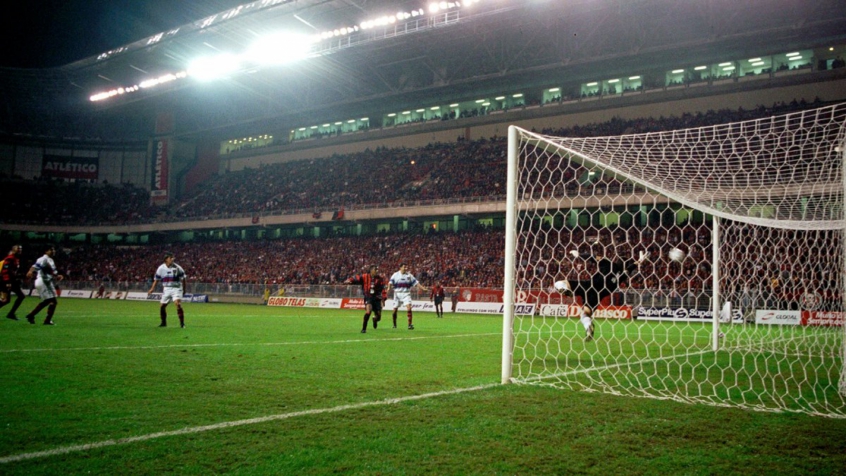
(702, 265)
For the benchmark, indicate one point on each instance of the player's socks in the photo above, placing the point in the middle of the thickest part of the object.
(395, 319)
(409, 319)
(163, 316)
(364, 321)
(181, 314)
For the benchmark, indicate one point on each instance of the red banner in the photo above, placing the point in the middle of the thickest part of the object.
(823, 318)
(354, 303)
(83, 168)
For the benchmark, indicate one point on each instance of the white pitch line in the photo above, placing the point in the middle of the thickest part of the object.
(62, 450)
(179, 346)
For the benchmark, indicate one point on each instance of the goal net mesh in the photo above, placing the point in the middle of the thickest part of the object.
(604, 213)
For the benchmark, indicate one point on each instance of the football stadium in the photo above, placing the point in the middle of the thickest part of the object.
(421, 237)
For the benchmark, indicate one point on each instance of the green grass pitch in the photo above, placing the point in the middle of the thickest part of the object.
(248, 389)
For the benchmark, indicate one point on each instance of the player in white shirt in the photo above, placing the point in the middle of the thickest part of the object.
(402, 282)
(172, 277)
(46, 276)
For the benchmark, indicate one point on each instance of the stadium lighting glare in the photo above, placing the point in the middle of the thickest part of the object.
(313, 127)
(612, 81)
(420, 110)
(795, 53)
(516, 96)
(480, 101)
(700, 68)
(678, 71)
(406, 112)
(554, 90)
(393, 114)
(486, 104)
(326, 125)
(634, 78)
(725, 64)
(794, 58)
(594, 83)
(280, 48)
(453, 105)
(365, 119)
(338, 123)
(758, 63)
(728, 68)
(351, 121)
(434, 108)
(214, 67)
(499, 98)
(754, 60)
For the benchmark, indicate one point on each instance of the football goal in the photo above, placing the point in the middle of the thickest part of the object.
(700, 265)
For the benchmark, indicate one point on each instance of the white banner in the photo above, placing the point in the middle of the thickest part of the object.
(778, 318)
(494, 308)
(572, 310)
(76, 293)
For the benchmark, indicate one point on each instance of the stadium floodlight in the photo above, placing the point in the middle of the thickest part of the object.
(555, 90)
(700, 68)
(612, 81)
(499, 98)
(280, 48)
(677, 71)
(795, 53)
(634, 78)
(794, 58)
(213, 67)
(754, 60)
(594, 83)
(517, 96)
(454, 105)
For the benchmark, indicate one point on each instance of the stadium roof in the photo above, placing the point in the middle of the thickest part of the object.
(461, 51)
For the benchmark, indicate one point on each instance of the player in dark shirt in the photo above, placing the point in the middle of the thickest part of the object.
(10, 281)
(437, 295)
(606, 280)
(373, 288)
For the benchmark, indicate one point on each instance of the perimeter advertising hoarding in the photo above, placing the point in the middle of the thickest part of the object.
(77, 168)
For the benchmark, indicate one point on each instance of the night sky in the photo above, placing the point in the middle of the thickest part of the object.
(51, 33)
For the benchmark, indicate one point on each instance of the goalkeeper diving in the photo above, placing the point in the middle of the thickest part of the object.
(610, 272)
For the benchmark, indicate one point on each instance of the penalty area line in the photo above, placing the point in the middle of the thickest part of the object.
(63, 450)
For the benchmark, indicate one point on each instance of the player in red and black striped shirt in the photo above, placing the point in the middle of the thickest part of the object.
(10, 281)
(373, 287)
(437, 295)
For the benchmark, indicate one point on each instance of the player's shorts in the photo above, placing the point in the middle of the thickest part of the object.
(403, 299)
(171, 294)
(375, 302)
(439, 300)
(46, 290)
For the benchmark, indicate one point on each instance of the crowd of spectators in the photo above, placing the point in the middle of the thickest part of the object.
(382, 176)
(469, 258)
(52, 202)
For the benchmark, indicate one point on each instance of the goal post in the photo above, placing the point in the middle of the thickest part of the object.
(748, 308)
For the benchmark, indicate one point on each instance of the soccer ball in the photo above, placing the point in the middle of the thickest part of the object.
(676, 254)
(562, 286)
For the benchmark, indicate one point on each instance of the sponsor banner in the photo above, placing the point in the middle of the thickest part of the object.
(354, 303)
(605, 312)
(159, 185)
(56, 166)
(293, 301)
(494, 308)
(779, 318)
(331, 303)
(195, 297)
(421, 306)
(77, 293)
(481, 295)
(823, 318)
(134, 296)
(682, 314)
